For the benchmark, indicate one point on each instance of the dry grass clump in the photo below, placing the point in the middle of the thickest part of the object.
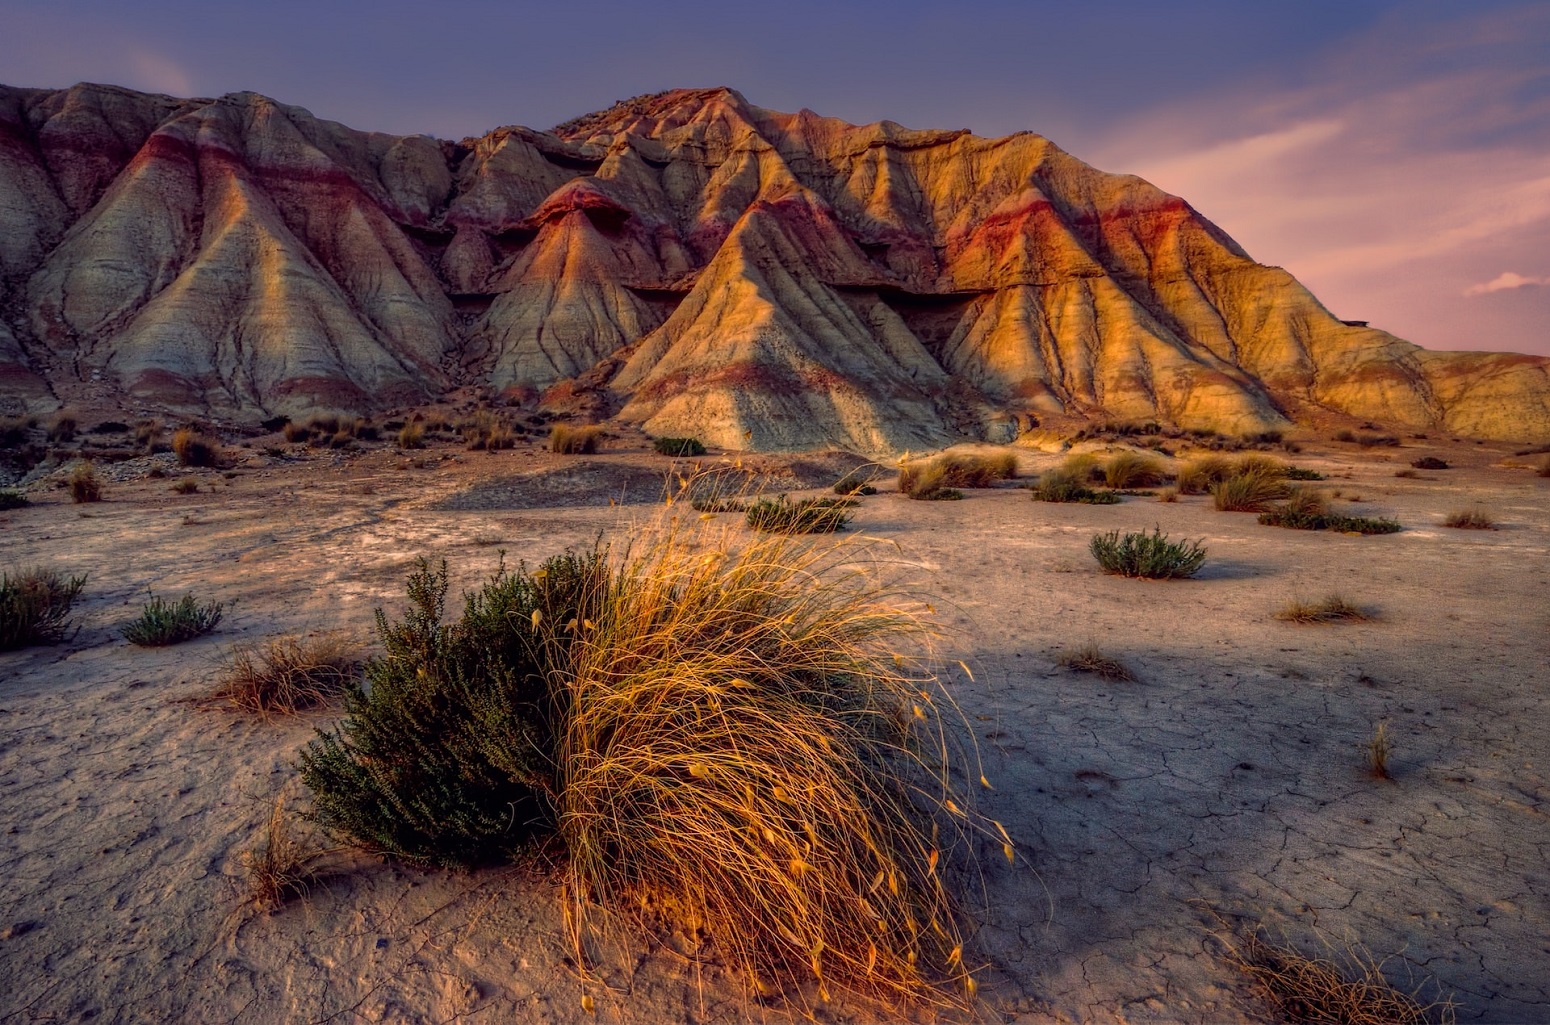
(1133, 470)
(1250, 489)
(1168, 495)
(186, 486)
(1476, 518)
(195, 449)
(295, 433)
(289, 674)
(411, 435)
(35, 606)
(85, 485)
(1349, 988)
(930, 478)
(1331, 609)
(1090, 659)
(749, 749)
(279, 868)
(1378, 749)
(575, 441)
(1199, 476)
(63, 428)
(487, 433)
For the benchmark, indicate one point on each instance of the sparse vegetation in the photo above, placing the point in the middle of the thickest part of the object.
(487, 433)
(85, 485)
(1250, 489)
(678, 446)
(1379, 748)
(63, 428)
(1301, 473)
(1331, 609)
(295, 433)
(1350, 988)
(194, 449)
(574, 441)
(1090, 659)
(1133, 470)
(411, 435)
(1305, 509)
(1429, 463)
(933, 479)
(1168, 495)
(35, 607)
(288, 674)
(162, 622)
(1476, 518)
(1062, 485)
(186, 486)
(1152, 556)
(805, 516)
(736, 729)
(1199, 476)
(278, 868)
(10, 499)
(148, 436)
(858, 481)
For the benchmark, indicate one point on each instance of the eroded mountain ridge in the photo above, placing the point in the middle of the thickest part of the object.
(686, 260)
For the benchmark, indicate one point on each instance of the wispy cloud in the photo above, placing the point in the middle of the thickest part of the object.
(1505, 281)
(1387, 186)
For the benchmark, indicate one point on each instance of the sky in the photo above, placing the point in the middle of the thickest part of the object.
(1394, 156)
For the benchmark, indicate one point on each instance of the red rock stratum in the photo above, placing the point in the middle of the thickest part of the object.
(695, 263)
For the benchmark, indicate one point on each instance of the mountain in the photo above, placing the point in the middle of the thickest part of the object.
(687, 260)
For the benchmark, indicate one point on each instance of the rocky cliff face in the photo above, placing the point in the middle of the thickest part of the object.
(707, 267)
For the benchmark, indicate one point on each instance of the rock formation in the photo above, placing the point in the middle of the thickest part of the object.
(704, 266)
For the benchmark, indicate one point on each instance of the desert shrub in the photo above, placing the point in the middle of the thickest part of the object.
(929, 478)
(1376, 440)
(35, 607)
(448, 757)
(1169, 495)
(1061, 485)
(411, 435)
(12, 500)
(1132, 470)
(289, 674)
(574, 441)
(748, 745)
(295, 433)
(1199, 476)
(1345, 435)
(1304, 509)
(1301, 473)
(1349, 987)
(1140, 554)
(1470, 519)
(186, 486)
(486, 432)
(362, 429)
(678, 446)
(148, 435)
(858, 481)
(1090, 659)
(1429, 463)
(805, 516)
(341, 440)
(63, 428)
(323, 425)
(85, 485)
(194, 449)
(1083, 466)
(1330, 609)
(163, 622)
(1249, 489)
(1363, 525)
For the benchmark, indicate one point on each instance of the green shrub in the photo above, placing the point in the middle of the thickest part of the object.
(1061, 485)
(805, 516)
(85, 485)
(163, 622)
(448, 757)
(574, 441)
(1147, 555)
(13, 500)
(35, 607)
(858, 481)
(678, 446)
(1305, 509)
(1429, 463)
(1299, 473)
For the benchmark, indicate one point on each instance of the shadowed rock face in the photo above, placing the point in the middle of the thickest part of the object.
(705, 266)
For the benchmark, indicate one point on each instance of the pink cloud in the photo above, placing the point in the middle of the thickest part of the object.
(1504, 281)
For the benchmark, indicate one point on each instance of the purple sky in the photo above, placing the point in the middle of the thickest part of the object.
(1395, 156)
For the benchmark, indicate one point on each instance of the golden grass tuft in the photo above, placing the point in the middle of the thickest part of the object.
(753, 745)
(280, 867)
(1345, 988)
(1331, 609)
(1133, 470)
(85, 485)
(1251, 489)
(930, 478)
(1476, 518)
(287, 674)
(1378, 749)
(1089, 659)
(195, 449)
(575, 441)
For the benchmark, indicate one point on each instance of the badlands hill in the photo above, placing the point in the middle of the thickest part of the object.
(687, 261)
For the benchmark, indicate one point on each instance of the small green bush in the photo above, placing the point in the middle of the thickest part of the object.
(678, 446)
(85, 485)
(858, 481)
(1153, 556)
(1299, 473)
(806, 516)
(162, 622)
(35, 607)
(1061, 485)
(13, 500)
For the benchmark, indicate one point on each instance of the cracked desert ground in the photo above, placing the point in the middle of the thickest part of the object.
(1229, 776)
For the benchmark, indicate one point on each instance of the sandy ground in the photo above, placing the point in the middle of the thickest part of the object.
(1229, 776)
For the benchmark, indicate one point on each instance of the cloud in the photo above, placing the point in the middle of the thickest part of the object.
(155, 73)
(1504, 281)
